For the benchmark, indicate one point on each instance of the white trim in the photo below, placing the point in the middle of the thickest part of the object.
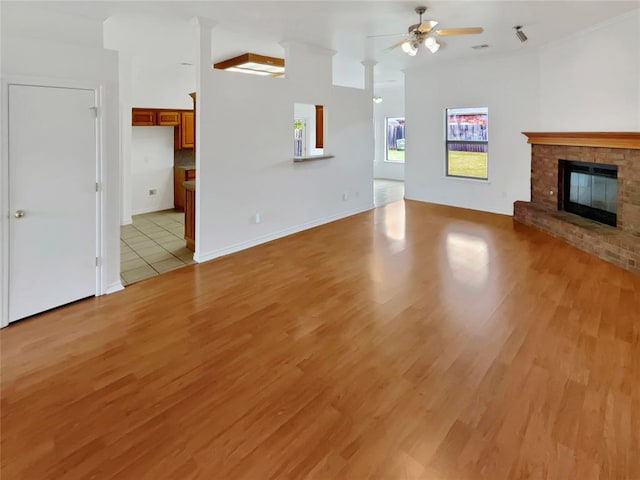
(100, 200)
(142, 211)
(204, 257)
(4, 209)
(35, 81)
(113, 288)
(497, 211)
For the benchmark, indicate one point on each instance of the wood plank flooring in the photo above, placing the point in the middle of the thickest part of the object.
(411, 341)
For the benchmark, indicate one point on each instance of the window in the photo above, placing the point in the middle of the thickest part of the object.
(467, 142)
(308, 130)
(395, 140)
(299, 147)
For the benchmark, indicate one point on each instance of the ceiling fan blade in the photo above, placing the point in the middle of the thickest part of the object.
(396, 45)
(459, 31)
(427, 26)
(386, 35)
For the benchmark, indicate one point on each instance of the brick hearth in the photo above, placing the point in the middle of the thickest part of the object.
(619, 245)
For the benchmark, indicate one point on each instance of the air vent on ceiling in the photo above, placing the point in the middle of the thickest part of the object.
(480, 47)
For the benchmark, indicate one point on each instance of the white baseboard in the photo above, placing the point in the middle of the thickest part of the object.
(498, 211)
(204, 257)
(114, 287)
(140, 211)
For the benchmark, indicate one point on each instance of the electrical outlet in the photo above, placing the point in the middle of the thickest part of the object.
(153, 192)
(256, 218)
(345, 196)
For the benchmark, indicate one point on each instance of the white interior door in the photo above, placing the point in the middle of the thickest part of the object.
(52, 197)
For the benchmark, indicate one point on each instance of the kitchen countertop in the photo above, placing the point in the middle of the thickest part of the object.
(186, 166)
(189, 185)
(311, 158)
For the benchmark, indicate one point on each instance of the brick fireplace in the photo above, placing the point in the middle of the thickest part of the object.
(620, 151)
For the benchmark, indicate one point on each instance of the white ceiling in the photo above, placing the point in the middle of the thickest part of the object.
(343, 26)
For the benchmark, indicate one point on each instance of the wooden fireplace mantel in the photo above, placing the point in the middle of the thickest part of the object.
(586, 139)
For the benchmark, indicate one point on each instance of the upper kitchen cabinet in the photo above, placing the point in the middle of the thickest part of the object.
(168, 118)
(187, 137)
(143, 117)
(182, 120)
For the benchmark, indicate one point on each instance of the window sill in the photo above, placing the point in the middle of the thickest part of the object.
(396, 162)
(311, 158)
(468, 179)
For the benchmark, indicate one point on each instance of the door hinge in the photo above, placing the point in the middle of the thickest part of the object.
(97, 261)
(95, 110)
(97, 186)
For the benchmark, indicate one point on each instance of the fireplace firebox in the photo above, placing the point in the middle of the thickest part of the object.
(590, 190)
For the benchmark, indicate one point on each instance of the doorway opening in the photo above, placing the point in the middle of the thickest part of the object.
(388, 186)
(153, 244)
(387, 191)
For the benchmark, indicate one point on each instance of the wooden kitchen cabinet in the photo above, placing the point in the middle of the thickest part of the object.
(188, 129)
(181, 175)
(141, 117)
(168, 118)
(190, 218)
(182, 120)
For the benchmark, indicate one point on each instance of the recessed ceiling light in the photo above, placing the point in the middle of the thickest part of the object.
(186, 64)
(480, 47)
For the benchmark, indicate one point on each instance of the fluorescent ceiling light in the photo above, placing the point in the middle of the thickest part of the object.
(262, 67)
(248, 70)
(254, 64)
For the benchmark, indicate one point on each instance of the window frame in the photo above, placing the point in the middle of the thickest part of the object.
(470, 142)
(386, 140)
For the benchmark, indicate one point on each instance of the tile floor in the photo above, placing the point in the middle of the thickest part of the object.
(387, 191)
(152, 245)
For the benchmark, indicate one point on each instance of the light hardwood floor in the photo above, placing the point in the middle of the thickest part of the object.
(411, 341)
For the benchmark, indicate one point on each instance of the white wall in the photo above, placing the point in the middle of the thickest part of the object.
(509, 88)
(245, 160)
(392, 105)
(152, 168)
(28, 19)
(151, 51)
(48, 59)
(591, 80)
(347, 71)
(156, 46)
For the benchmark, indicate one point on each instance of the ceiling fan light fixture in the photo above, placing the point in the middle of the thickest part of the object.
(432, 44)
(409, 48)
(377, 99)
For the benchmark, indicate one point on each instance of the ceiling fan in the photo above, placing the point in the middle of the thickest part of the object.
(423, 33)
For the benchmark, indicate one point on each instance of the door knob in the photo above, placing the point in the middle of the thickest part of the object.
(19, 214)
